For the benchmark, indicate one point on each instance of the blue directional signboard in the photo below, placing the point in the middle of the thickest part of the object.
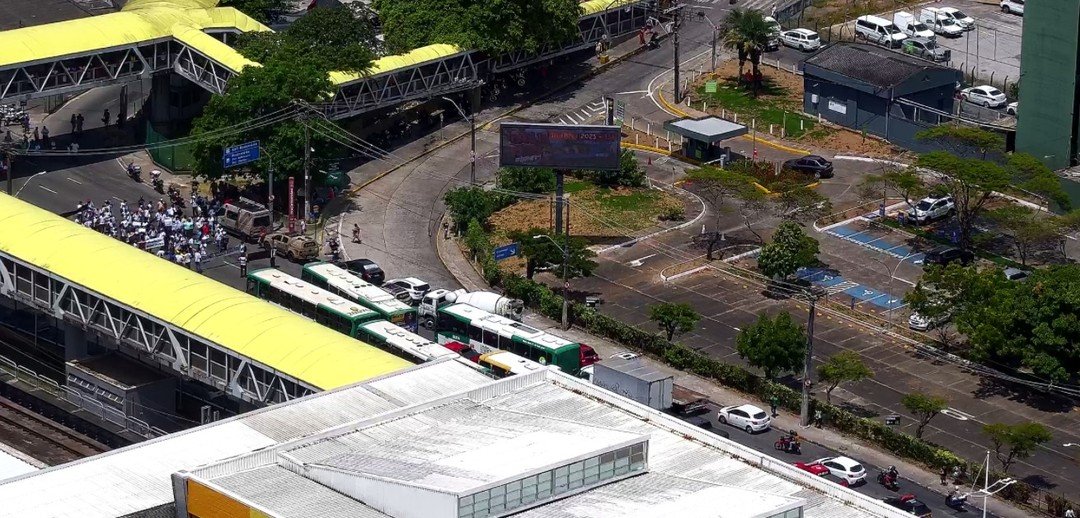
(240, 154)
(506, 251)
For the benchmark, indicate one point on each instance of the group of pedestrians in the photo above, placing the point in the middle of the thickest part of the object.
(162, 228)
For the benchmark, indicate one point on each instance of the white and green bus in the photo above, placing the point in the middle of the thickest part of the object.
(487, 332)
(338, 280)
(309, 300)
(401, 342)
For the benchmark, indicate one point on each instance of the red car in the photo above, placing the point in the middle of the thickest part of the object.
(468, 352)
(815, 468)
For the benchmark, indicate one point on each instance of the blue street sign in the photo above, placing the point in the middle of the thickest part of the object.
(506, 251)
(240, 154)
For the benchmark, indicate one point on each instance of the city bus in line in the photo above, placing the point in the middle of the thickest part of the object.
(505, 363)
(401, 342)
(309, 300)
(338, 280)
(486, 332)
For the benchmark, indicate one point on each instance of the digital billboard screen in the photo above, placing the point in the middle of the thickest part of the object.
(559, 146)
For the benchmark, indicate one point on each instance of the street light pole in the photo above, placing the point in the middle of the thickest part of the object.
(472, 134)
(808, 360)
(23, 186)
(565, 275)
(269, 185)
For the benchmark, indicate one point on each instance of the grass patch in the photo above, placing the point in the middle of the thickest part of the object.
(774, 105)
(595, 212)
(575, 186)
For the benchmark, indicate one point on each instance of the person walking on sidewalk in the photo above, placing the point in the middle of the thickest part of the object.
(773, 401)
(944, 475)
(74, 122)
(242, 260)
(79, 120)
(356, 233)
(105, 118)
(1069, 513)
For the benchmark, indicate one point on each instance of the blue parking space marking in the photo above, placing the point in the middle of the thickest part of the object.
(863, 293)
(843, 231)
(887, 301)
(826, 279)
(829, 281)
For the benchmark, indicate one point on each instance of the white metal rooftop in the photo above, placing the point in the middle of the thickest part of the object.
(137, 478)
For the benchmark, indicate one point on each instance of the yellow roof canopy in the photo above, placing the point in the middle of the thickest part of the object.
(217, 313)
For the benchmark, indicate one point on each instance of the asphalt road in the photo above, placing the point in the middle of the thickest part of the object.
(765, 442)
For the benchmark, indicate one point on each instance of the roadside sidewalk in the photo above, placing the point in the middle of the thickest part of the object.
(466, 274)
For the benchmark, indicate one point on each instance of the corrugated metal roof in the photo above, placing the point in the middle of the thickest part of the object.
(136, 478)
(596, 6)
(284, 493)
(870, 64)
(204, 307)
(389, 63)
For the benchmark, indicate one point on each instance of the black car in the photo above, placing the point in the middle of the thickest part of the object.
(944, 255)
(910, 505)
(365, 269)
(811, 164)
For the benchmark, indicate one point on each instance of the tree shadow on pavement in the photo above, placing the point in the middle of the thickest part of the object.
(1036, 399)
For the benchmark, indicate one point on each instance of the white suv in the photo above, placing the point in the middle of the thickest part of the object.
(931, 208)
(1012, 7)
(748, 417)
(802, 39)
(415, 287)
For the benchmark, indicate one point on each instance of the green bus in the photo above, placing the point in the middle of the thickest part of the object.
(336, 279)
(311, 301)
(401, 342)
(487, 332)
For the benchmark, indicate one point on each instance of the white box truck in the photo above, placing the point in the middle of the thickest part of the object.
(636, 380)
(939, 22)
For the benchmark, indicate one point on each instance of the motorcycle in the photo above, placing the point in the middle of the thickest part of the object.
(956, 500)
(175, 197)
(888, 478)
(134, 171)
(788, 444)
(155, 179)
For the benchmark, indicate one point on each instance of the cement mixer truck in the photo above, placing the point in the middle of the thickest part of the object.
(485, 300)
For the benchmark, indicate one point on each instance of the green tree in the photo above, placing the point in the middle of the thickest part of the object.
(754, 204)
(543, 252)
(334, 39)
(790, 248)
(527, 179)
(964, 136)
(630, 173)
(1015, 442)
(493, 27)
(905, 183)
(262, 10)
(971, 182)
(1030, 174)
(1029, 231)
(945, 292)
(476, 239)
(745, 32)
(472, 203)
(774, 345)
(800, 203)
(717, 187)
(924, 407)
(674, 318)
(845, 366)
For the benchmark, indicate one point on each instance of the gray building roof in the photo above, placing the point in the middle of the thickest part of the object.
(870, 64)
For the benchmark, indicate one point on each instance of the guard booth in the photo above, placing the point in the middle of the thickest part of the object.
(702, 137)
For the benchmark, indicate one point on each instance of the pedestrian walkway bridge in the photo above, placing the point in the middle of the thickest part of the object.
(189, 37)
(168, 315)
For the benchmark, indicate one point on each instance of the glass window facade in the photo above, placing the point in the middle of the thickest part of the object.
(563, 479)
(794, 513)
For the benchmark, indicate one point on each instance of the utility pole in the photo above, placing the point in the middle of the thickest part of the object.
(808, 361)
(676, 22)
(559, 200)
(7, 168)
(307, 169)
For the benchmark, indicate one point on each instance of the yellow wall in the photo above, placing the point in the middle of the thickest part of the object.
(205, 502)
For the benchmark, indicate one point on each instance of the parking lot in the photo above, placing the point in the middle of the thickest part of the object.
(992, 50)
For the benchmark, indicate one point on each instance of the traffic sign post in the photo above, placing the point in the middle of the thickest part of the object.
(506, 251)
(240, 154)
(620, 113)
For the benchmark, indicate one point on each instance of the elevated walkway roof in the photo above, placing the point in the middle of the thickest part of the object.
(140, 21)
(252, 328)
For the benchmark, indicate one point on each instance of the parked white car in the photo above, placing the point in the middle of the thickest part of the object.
(1012, 7)
(802, 39)
(965, 21)
(984, 95)
(924, 323)
(748, 417)
(931, 208)
(848, 470)
(1013, 108)
(415, 287)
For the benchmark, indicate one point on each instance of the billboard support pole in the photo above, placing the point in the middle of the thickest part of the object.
(559, 202)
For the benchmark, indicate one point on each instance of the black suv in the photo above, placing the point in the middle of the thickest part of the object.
(366, 269)
(812, 165)
(944, 255)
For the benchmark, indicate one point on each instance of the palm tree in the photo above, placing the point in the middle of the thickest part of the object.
(746, 32)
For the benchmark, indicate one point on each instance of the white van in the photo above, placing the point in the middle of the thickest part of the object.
(911, 26)
(961, 19)
(939, 22)
(879, 30)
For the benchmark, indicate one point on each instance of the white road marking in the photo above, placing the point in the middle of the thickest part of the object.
(956, 414)
(632, 92)
(585, 114)
(47, 189)
(117, 198)
(74, 180)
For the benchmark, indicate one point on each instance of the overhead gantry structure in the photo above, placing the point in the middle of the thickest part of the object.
(188, 37)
